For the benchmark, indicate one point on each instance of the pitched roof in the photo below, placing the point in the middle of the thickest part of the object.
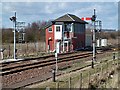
(69, 18)
(65, 18)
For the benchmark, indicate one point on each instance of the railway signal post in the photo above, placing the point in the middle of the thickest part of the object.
(14, 21)
(94, 49)
(56, 65)
(56, 56)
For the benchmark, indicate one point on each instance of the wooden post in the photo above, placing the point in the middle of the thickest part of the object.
(107, 66)
(95, 70)
(118, 71)
(105, 84)
(118, 61)
(80, 81)
(47, 88)
(9, 50)
(101, 70)
(33, 47)
(27, 50)
(98, 79)
(113, 64)
(57, 85)
(69, 83)
(89, 78)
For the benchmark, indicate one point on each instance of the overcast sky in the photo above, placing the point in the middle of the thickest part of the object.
(29, 12)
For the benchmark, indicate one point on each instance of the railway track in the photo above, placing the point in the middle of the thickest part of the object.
(26, 65)
(22, 73)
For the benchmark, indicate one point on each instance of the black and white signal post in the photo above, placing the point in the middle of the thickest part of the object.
(94, 47)
(14, 21)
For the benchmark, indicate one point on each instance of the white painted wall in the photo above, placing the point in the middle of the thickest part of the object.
(104, 42)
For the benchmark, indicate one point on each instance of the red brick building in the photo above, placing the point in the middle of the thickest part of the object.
(65, 34)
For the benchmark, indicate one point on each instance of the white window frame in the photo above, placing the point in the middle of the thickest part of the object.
(59, 29)
(49, 29)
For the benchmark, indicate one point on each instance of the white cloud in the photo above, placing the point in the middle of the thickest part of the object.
(29, 11)
(87, 11)
(49, 8)
(62, 5)
(7, 7)
(53, 7)
(110, 22)
(107, 12)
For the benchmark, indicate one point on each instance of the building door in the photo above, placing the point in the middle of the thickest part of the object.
(67, 46)
(58, 32)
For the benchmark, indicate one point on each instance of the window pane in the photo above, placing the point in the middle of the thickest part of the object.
(67, 27)
(50, 29)
(57, 28)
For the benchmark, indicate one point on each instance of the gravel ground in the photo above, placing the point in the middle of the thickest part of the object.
(12, 79)
(67, 74)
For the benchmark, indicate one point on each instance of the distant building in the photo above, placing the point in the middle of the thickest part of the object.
(65, 33)
(101, 42)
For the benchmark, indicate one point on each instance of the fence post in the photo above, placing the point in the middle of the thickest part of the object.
(33, 46)
(47, 88)
(105, 84)
(101, 70)
(80, 81)
(25, 52)
(107, 66)
(57, 85)
(95, 70)
(89, 78)
(26, 49)
(69, 83)
(9, 50)
(118, 73)
(113, 64)
(118, 60)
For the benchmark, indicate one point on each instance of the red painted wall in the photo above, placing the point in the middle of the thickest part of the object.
(79, 41)
(51, 42)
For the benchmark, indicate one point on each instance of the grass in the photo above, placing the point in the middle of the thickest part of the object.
(24, 50)
(75, 78)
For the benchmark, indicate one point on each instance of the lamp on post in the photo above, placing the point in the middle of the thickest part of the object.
(13, 18)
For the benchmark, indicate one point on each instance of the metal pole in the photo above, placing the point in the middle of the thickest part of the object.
(94, 49)
(56, 56)
(94, 57)
(63, 42)
(15, 37)
(56, 63)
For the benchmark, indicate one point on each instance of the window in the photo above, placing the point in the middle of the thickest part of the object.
(57, 28)
(68, 27)
(50, 29)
